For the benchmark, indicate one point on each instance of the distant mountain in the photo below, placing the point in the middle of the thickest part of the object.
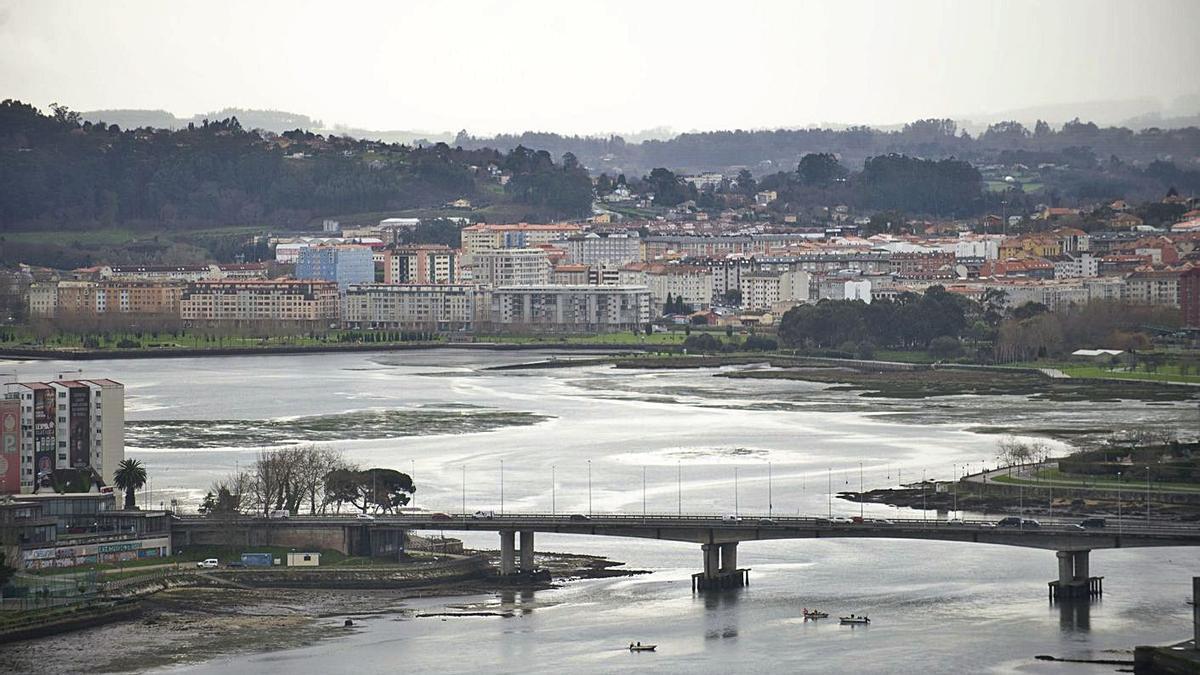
(276, 121)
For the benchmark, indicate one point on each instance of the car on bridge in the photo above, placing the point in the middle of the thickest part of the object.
(579, 517)
(363, 515)
(484, 515)
(1091, 523)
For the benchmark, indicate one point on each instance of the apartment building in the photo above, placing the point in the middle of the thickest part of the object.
(692, 283)
(60, 424)
(1189, 297)
(603, 248)
(428, 307)
(571, 308)
(486, 237)
(421, 264)
(260, 301)
(764, 290)
(923, 265)
(511, 267)
(344, 264)
(1153, 287)
(1075, 265)
(102, 298)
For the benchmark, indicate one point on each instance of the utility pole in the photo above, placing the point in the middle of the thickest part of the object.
(553, 492)
(589, 487)
(860, 491)
(829, 492)
(1147, 495)
(502, 487)
(464, 491)
(955, 472)
(924, 508)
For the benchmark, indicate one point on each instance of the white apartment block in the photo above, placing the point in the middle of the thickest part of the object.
(571, 308)
(511, 267)
(595, 248)
(765, 289)
(434, 307)
(260, 301)
(1076, 266)
(67, 424)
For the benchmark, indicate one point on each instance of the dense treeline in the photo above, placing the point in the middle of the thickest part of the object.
(57, 169)
(931, 138)
(911, 321)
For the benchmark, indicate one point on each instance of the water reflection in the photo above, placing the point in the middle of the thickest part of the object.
(721, 613)
(1075, 614)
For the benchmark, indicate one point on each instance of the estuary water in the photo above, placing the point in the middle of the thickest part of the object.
(618, 440)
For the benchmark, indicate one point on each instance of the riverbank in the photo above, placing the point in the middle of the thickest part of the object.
(178, 352)
(240, 611)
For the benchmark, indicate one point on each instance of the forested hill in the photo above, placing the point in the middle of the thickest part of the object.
(771, 150)
(61, 172)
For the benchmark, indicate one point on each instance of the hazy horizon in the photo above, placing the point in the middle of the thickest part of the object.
(605, 67)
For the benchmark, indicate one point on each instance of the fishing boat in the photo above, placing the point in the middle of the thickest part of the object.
(639, 647)
(815, 614)
(854, 620)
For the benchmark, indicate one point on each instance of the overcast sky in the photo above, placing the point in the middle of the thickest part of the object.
(580, 66)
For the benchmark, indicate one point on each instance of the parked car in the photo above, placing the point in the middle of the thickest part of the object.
(1092, 522)
(730, 518)
(280, 514)
(208, 563)
(881, 521)
(484, 515)
(362, 515)
(579, 517)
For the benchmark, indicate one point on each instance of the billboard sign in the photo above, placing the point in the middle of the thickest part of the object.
(44, 410)
(10, 446)
(79, 400)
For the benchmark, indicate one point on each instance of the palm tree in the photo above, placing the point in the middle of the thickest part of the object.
(130, 477)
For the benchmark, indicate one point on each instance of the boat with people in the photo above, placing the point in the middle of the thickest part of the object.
(639, 647)
(854, 620)
(815, 614)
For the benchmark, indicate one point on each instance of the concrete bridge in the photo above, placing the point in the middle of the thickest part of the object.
(719, 536)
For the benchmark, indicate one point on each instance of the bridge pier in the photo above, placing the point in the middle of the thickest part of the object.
(527, 551)
(508, 556)
(1074, 580)
(720, 568)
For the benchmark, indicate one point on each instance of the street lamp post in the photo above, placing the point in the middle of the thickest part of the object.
(1118, 503)
(924, 507)
(1147, 494)
(955, 472)
(412, 463)
(643, 493)
(860, 491)
(679, 486)
(770, 500)
(589, 487)
(829, 492)
(735, 491)
(553, 492)
(502, 487)
(464, 491)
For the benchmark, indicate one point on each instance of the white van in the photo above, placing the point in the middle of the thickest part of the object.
(208, 563)
(279, 514)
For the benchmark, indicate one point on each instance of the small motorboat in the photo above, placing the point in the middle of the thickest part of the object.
(854, 620)
(815, 614)
(639, 647)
